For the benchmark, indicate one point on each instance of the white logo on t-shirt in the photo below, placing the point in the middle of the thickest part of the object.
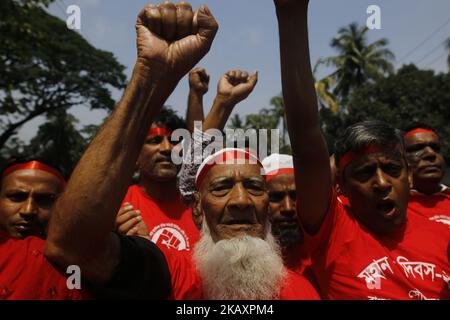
(441, 219)
(171, 236)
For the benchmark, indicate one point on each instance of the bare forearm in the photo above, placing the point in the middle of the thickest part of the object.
(297, 80)
(219, 114)
(313, 177)
(195, 109)
(104, 172)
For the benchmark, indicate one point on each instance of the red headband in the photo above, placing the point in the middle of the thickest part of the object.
(279, 172)
(159, 132)
(409, 134)
(352, 155)
(34, 165)
(222, 158)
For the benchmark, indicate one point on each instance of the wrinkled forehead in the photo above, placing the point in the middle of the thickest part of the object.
(32, 179)
(281, 181)
(396, 154)
(234, 171)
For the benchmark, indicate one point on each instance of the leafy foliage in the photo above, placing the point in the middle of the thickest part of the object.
(45, 67)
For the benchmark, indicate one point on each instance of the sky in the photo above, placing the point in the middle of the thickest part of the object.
(248, 40)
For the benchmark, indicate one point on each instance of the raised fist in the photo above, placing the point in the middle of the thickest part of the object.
(172, 39)
(236, 85)
(199, 80)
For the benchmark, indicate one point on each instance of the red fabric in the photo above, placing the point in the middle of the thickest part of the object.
(35, 165)
(170, 223)
(25, 274)
(353, 155)
(158, 132)
(186, 283)
(411, 133)
(298, 260)
(435, 208)
(344, 249)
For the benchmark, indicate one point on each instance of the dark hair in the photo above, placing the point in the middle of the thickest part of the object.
(169, 119)
(362, 134)
(416, 125)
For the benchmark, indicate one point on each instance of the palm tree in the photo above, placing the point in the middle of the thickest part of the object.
(278, 112)
(325, 97)
(357, 61)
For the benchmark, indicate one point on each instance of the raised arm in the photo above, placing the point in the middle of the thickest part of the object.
(311, 159)
(80, 229)
(198, 87)
(233, 87)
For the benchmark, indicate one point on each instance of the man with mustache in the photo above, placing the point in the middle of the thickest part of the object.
(428, 197)
(231, 201)
(237, 257)
(280, 179)
(153, 207)
(171, 39)
(28, 190)
(371, 247)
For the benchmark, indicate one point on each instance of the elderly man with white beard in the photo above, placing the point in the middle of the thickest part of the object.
(237, 257)
(171, 39)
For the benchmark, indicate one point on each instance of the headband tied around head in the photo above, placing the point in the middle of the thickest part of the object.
(224, 156)
(35, 165)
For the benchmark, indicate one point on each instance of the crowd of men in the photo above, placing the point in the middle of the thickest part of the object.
(370, 222)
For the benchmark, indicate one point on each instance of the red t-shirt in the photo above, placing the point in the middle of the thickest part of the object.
(350, 262)
(25, 273)
(298, 260)
(170, 223)
(187, 285)
(435, 207)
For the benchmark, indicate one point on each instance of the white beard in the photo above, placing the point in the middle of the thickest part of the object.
(247, 268)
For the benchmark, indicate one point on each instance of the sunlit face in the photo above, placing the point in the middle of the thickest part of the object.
(283, 213)
(234, 201)
(26, 197)
(423, 151)
(377, 186)
(155, 160)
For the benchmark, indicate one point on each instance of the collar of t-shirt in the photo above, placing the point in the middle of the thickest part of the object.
(444, 189)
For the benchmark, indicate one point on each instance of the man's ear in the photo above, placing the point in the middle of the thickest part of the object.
(197, 213)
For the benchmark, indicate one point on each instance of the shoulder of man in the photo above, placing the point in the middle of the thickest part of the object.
(143, 273)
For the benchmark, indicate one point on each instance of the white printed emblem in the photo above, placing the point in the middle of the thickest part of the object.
(171, 236)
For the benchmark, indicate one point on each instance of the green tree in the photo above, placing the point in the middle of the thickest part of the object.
(58, 141)
(45, 67)
(357, 61)
(236, 122)
(411, 95)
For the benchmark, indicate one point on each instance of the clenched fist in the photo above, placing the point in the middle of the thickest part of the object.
(235, 86)
(171, 38)
(199, 80)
